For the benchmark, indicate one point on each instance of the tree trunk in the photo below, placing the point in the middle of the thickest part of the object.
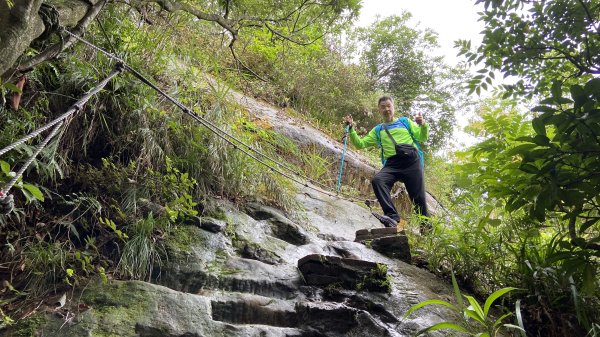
(22, 24)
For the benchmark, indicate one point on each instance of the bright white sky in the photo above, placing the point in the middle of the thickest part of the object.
(451, 19)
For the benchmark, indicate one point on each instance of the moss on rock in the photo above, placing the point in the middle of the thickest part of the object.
(28, 327)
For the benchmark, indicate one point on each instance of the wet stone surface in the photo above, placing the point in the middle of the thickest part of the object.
(266, 274)
(391, 242)
(325, 271)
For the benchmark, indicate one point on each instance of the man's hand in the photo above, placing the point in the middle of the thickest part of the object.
(419, 118)
(348, 120)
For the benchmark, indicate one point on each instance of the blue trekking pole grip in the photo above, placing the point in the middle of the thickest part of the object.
(339, 182)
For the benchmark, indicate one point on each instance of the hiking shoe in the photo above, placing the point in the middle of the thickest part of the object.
(385, 220)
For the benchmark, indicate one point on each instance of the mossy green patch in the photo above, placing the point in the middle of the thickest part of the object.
(377, 280)
(118, 306)
(180, 240)
(218, 265)
(28, 327)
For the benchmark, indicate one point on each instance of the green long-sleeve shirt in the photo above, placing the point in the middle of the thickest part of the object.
(398, 131)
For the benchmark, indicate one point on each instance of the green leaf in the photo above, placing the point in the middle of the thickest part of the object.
(475, 306)
(548, 101)
(587, 225)
(474, 315)
(501, 318)
(12, 87)
(521, 149)
(539, 126)
(5, 167)
(543, 108)
(494, 222)
(578, 94)
(592, 87)
(493, 297)
(529, 168)
(589, 280)
(541, 139)
(457, 294)
(512, 326)
(520, 318)
(556, 89)
(563, 100)
(430, 302)
(525, 139)
(35, 191)
(73, 229)
(443, 325)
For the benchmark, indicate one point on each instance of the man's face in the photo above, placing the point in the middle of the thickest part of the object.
(386, 109)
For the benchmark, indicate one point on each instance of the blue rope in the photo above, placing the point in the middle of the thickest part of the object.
(339, 182)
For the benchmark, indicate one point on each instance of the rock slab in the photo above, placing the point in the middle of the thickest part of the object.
(391, 242)
(332, 271)
(396, 247)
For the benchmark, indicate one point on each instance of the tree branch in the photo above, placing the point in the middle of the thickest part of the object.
(57, 48)
(582, 68)
(589, 15)
(576, 240)
(227, 2)
(285, 37)
(239, 62)
(173, 6)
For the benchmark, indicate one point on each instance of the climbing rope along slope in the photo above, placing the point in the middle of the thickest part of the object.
(57, 123)
(230, 139)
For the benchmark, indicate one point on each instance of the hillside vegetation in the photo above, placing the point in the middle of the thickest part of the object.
(522, 206)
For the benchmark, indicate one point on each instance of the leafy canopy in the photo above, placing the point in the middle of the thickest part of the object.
(538, 42)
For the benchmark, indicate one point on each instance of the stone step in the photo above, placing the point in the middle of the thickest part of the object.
(194, 280)
(396, 247)
(253, 314)
(323, 271)
(391, 242)
(370, 234)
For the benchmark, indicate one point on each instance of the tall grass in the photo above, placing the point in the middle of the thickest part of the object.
(140, 253)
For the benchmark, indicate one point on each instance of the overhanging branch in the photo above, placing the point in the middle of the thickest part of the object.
(57, 48)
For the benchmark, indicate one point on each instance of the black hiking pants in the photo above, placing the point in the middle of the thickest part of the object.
(410, 172)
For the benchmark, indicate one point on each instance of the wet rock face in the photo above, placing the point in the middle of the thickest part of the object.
(212, 225)
(265, 275)
(281, 227)
(255, 252)
(390, 242)
(353, 274)
(252, 313)
(393, 246)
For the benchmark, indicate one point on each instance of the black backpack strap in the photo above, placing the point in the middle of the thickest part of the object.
(389, 134)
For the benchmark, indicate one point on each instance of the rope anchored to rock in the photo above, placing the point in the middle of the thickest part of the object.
(6, 199)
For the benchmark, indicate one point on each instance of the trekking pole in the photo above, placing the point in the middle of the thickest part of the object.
(339, 182)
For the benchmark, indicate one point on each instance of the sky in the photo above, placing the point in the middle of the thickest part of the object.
(451, 19)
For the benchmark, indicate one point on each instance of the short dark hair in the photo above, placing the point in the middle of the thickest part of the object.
(385, 98)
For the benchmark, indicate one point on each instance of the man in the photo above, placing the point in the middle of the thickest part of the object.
(402, 161)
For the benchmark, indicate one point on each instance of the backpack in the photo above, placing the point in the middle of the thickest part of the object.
(404, 122)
